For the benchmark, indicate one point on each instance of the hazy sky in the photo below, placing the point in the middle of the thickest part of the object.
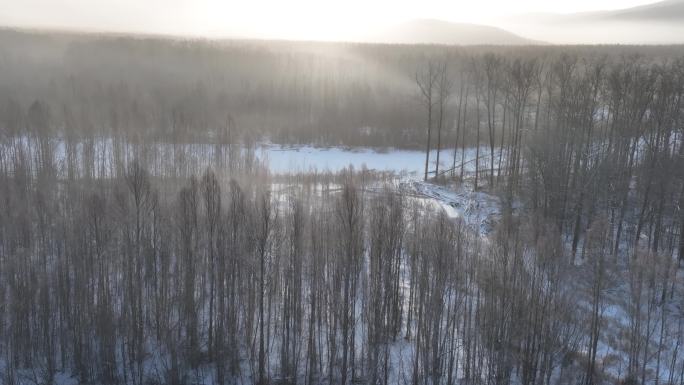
(290, 19)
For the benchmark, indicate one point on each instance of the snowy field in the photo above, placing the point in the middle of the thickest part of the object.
(293, 159)
(165, 159)
(478, 209)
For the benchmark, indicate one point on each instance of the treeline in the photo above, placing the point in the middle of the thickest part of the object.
(227, 278)
(176, 90)
(574, 138)
(594, 146)
(608, 144)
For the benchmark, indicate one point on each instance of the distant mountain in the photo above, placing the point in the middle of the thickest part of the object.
(666, 11)
(657, 23)
(662, 11)
(430, 31)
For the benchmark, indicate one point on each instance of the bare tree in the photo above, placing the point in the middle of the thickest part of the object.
(427, 81)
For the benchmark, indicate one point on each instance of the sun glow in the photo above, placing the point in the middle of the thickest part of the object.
(295, 19)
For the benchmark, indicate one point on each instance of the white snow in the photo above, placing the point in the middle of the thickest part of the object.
(163, 158)
(293, 159)
(479, 210)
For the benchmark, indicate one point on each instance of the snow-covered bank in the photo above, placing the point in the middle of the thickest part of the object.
(479, 210)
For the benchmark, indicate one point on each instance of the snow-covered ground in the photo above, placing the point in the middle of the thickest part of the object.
(479, 210)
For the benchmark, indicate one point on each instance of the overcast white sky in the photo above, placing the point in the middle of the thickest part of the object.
(289, 19)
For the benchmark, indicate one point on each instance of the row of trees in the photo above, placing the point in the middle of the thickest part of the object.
(288, 92)
(226, 278)
(574, 137)
(595, 146)
(182, 91)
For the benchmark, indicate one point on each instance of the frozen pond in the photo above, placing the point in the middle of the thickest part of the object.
(169, 159)
(283, 159)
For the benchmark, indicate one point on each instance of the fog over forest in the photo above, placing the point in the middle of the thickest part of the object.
(341, 193)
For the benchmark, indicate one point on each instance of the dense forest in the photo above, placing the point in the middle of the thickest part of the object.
(162, 89)
(125, 261)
